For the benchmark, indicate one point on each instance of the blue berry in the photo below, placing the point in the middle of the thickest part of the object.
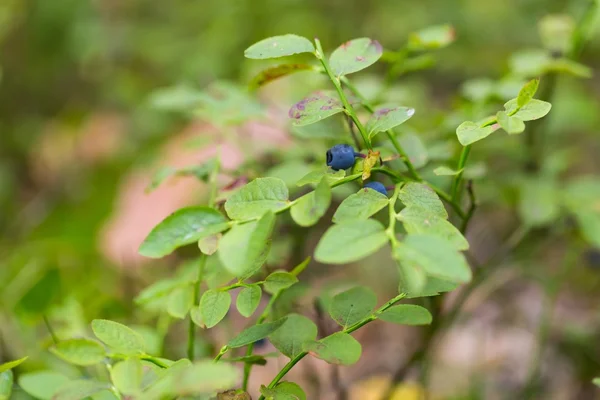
(377, 186)
(341, 156)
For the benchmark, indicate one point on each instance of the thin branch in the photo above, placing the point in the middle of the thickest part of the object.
(473, 206)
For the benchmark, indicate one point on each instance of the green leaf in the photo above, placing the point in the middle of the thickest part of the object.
(175, 98)
(180, 301)
(535, 109)
(446, 171)
(200, 172)
(350, 241)
(294, 332)
(279, 280)
(315, 108)
(339, 348)
(510, 124)
(205, 377)
(315, 177)
(256, 198)
(79, 351)
(80, 389)
(564, 65)
(596, 381)
(248, 300)
(436, 256)
(527, 92)
(308, 209)
(351, 306)
(244, 249)
(538, 201)
(214, 305)
(118, 336)
(283, 391)
(158, 290)
(12, 364)
(433, 37)
(127, 376)
(254, 359)
(386, 118)
(42, 384)
(406, 314)
(556, 31)
(255, 332)
(272, 73)
(355, 55)
(164, 386)
(421, 195)
(412, 277)
(6, 384)
(433, 287)
(360, 205)
(210, 244)
(184, 226)
(196, 316)
(470, 132)
(279, 46)
(414, 148)
(418, 220)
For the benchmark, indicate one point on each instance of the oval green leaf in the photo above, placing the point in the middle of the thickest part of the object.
(355, 55)
(339, 348)
(214, 305)
(350, 241)
(315, 108)
(127, 376)
(421, 195)
(255, 332)
(279, 46)
(511, 124)
(535, 109)
(436, 256)
(352, 305)
(244, 249)
(308, 209)
(360, 205)
(279, 280)
(248, 300)
(79, 351)
(294, 332)
(80, 389)
(386, 118)
(184, 226)
(118, 336)
(276, 72)
(406, 314)
(180, 301)
(42, 384)
(283, 391)
(418, 220)
(256, 198)
(470, 132)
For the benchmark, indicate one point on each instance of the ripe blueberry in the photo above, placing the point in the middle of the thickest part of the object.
(341, 156)
(377, 186)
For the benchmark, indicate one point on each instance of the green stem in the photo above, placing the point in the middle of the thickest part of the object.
(263, 317)
(391, 229)
(191, 344)
(472, 207)
(462, 161)
(320, 54)
(350, 329)
(50, 330)
(390, 133)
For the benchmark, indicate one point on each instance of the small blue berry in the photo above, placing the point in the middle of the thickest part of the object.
(341, 156)
(377, 186)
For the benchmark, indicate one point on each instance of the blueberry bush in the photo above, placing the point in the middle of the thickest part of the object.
(365, 176)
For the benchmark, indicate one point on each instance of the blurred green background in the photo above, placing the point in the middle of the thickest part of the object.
(75, 122)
